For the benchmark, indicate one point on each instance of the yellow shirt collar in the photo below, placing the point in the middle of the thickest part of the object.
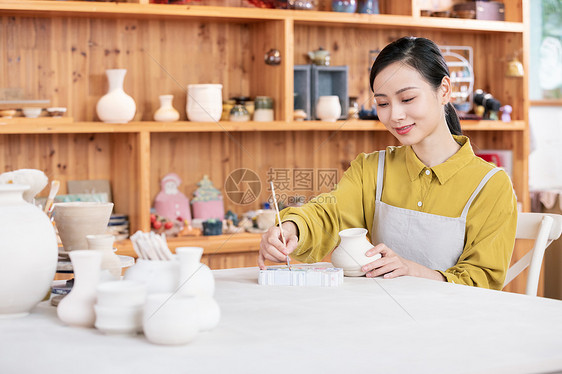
(445, 170)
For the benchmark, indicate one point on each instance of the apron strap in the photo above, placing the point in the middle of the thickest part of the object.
(380, 174)
(478, 189)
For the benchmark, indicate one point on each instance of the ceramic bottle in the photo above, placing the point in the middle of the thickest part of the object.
(110, 263)
(350, 253)
(28, 253)
(166, 112)
(77, 308)
(328, 108)
(116, 106)
(196, 279)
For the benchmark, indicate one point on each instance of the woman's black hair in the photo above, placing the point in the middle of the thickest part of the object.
(423, 55)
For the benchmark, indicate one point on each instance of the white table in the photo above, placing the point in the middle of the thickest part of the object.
(405, 325)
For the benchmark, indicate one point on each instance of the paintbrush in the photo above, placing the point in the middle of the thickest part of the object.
(279, 220)
(55, 184)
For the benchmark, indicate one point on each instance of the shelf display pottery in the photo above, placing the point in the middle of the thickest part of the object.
(28, 253)
(170, 203)
(77, 308)
(116, 106)
(204, 102)
(166, 112)
(170, 319)
(36, 180)
(75, 220)
(110, 262)
(350, 253)
(207, 201)
(328, 108)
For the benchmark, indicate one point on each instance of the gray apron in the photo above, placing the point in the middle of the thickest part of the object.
(429, 239)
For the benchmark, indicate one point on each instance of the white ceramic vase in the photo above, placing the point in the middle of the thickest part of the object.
(28, 253)
(196, 279)
(328, 108)
(170, 319)
(116, 106)
(76, 220)
(166, 112)
(204, 102)
(350, 253)
(77, 308)
(110, 262)
(158, 276)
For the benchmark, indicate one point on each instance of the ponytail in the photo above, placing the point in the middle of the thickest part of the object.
(452, 118)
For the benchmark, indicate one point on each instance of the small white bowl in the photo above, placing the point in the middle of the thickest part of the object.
(118, 320)
(56, 111)
(32, 112)
(122, 293)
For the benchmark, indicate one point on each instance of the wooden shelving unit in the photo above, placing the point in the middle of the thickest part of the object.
(59, 50)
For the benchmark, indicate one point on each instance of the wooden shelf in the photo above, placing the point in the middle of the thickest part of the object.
(219, 244)
(243, 14)
(66, 126)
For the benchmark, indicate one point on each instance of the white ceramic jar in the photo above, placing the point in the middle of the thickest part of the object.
(116, 106)
(166, 112)
(350, 253)
(28, 253)
(328, 108)
(159, 276)
(204, 102)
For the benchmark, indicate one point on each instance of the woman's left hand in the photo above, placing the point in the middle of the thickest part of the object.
(390, 264)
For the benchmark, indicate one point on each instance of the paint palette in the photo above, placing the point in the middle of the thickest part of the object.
(321, 274)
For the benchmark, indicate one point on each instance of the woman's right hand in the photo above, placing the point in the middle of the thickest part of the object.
(271, 245)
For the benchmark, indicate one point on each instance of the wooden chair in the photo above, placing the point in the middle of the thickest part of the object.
(543, 228)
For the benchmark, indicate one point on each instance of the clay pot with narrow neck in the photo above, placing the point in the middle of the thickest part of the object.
(28, 253)
(116, 106)
(166, 112)
(350, 253)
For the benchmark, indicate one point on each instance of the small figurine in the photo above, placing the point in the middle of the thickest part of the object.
(506, 113)
(207, 202)
(170, 203)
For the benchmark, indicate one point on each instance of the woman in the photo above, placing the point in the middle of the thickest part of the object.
(433, 209)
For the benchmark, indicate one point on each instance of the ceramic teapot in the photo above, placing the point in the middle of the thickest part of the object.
(320, 57)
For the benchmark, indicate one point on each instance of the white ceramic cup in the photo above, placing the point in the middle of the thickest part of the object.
(170, 319)
(31, 112)
(328, 108)
(123, 293)
(100, 241)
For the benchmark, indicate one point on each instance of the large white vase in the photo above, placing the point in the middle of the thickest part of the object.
(28, 253)
(204, 102)
(350, 253)
(116, 106)
(77, 308)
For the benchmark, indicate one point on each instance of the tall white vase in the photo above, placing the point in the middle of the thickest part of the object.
(166, 112)
(196, 279)
(116, 106)
(77, 308)
(328, 108)
(350, 253)
(204, 102)
(28, 253)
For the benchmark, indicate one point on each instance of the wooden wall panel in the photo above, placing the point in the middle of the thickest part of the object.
(64, 59)
(63, 157)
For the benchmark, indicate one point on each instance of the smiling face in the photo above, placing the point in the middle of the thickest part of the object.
(409, 107)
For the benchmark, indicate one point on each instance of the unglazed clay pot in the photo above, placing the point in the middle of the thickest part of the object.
(350, 253)
(77, 308)
(328, 108)
(116, 106)
(28, 253)
(204, 102)
(110, 262)
(77, 219)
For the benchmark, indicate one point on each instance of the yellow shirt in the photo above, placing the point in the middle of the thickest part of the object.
(490, 225)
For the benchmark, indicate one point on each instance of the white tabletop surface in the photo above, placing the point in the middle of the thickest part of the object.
(405, 325)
